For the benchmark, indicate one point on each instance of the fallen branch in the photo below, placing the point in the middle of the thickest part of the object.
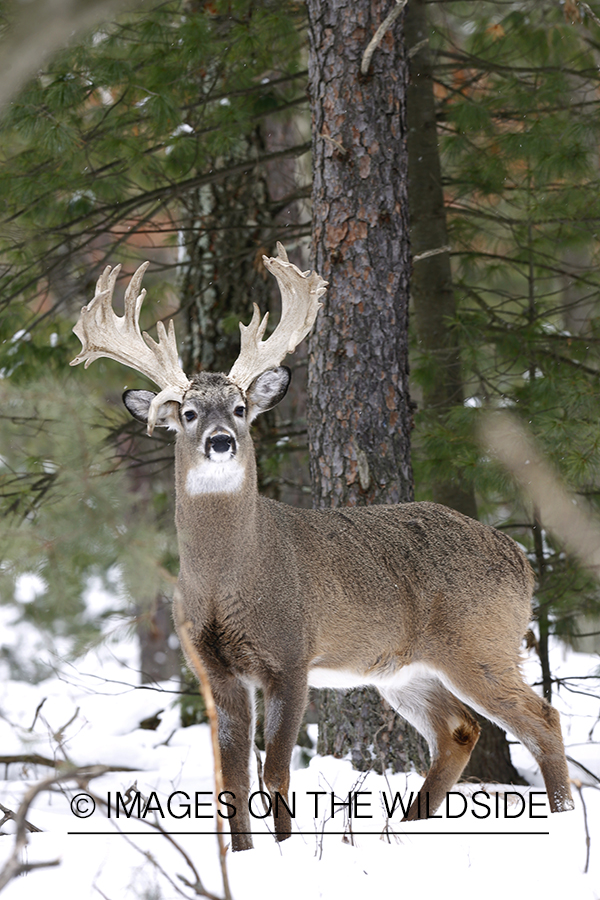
(34, 759)
(9, 815)
(13, 866)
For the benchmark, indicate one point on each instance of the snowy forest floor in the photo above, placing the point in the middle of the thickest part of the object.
(505, 845)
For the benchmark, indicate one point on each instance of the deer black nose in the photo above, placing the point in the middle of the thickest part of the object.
(220, 443)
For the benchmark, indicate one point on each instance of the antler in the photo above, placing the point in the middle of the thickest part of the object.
(300, 292)
(103, 333)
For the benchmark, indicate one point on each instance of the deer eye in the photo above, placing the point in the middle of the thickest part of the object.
(189, 415)
(240, 411)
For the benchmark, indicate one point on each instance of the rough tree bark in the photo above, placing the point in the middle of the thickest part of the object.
(434, 307)
(359, 416)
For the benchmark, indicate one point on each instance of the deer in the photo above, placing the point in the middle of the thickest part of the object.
(419, 601)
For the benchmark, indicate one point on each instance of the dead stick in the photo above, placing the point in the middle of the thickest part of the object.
(588, 841)
(379, 35)
(34, 759)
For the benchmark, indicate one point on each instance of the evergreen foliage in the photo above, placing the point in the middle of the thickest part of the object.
(99, 148)
(69, 519)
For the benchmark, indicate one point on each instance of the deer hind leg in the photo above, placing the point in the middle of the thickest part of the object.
(502, 696)
(284, 707)
(450, 730)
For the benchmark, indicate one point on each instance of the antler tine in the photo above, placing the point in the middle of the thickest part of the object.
(134, 297)
(107, 280)
(103, 333)
(300, 292)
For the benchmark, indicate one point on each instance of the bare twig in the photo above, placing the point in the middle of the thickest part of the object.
(579, 787)
(379, 34)
(589, 11)
(427, 253)
(419, 46)
(37, 712)
(9, 815)
(196, 885)
(583, 768)
(335, 143)
(59, 733)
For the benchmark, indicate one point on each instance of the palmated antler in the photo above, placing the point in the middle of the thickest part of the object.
(103, 333)
(300, 292)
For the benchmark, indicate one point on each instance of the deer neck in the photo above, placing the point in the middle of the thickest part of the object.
(217, 530)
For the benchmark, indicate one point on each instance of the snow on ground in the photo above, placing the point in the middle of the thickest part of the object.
(90, 713)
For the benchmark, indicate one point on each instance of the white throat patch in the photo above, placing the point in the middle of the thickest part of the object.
(215, 478)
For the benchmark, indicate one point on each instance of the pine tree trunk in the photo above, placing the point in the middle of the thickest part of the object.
(434, 307)
(359, 415)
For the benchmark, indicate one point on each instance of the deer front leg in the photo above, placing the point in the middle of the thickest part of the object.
(284, 708)
(235, 709)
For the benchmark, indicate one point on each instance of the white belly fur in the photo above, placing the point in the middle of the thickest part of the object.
(320, 677)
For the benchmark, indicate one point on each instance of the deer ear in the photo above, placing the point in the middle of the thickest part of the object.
(138, 404)
(267, 390)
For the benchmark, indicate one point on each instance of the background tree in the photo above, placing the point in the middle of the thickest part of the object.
(431, 286)
(434, 310)
(517, 101)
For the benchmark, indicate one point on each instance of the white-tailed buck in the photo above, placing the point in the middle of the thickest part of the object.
(422, 602)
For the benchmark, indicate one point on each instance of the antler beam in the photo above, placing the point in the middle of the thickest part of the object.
(300, 292)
